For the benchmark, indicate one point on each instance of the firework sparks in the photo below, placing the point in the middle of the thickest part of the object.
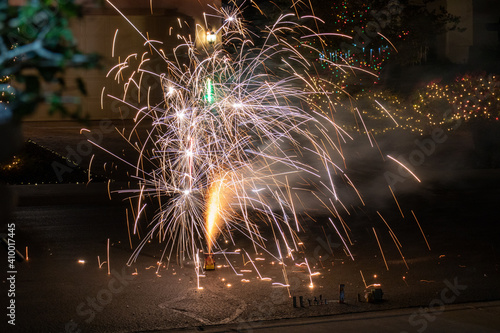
(405, 167)
(423, 234)
(230, 128)
(380, 247)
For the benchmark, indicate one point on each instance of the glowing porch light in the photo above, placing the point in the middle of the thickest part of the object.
(211, 37)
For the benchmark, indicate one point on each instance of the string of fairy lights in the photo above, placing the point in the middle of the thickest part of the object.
(467, 98)
(24, 162)
(352, 20)
(6, 95)
(471, 97)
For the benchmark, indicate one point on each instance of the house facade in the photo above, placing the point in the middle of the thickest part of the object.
(478, 45)
(104, 30)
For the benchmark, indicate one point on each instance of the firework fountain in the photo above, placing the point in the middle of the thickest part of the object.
(235, 144)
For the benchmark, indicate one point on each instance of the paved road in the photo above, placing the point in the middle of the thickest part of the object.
(62, 225)
(54, 290)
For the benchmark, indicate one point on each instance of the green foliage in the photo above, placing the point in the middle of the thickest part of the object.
(36, 47)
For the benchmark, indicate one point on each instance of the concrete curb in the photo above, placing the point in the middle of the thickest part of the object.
(307, 321)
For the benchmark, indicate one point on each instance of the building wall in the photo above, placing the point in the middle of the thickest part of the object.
(478, 45)
(95, 33)
(486, 48)
(458, 43)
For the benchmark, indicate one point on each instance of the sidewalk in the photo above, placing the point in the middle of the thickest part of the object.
(482, 317)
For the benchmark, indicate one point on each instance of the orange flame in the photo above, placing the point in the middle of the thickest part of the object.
(213, 217)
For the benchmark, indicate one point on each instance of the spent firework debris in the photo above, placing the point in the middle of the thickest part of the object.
(233, 143)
